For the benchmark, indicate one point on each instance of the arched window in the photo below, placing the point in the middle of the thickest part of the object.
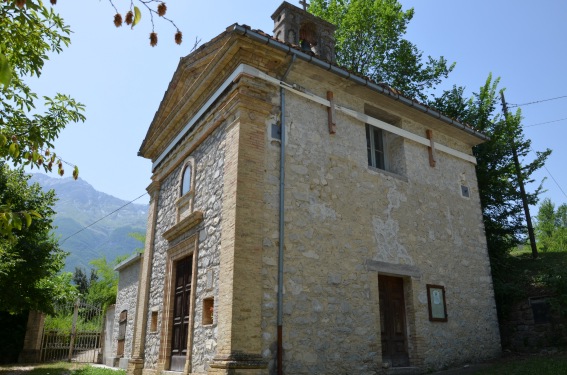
(186, 181)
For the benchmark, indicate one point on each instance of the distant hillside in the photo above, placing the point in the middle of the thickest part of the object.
(80, 205)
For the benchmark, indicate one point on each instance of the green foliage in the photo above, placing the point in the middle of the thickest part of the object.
(369, 41)
(140, 237)
(556, 281)
(30, 260)
(520, 277)
(103, 289)
(27, 35)
(551, 227)
(81, 282)
(528, 366)
(5, 71)
(137, 16)
(64, 322)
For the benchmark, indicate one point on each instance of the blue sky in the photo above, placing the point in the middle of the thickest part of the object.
(121, 79)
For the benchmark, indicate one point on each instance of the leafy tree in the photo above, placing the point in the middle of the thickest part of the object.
(29, 31)
(369, 41)
(103, 289)
(140, 237)
(551, 227)
(27, 35)
(81, 282)
(498, 185)
(30, 260)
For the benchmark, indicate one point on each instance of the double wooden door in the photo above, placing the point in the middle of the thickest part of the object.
(393, 321)
(181, 308)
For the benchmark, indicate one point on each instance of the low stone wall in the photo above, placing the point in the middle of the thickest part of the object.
(529, 329)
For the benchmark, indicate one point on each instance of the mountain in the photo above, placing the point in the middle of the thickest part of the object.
(79, 207)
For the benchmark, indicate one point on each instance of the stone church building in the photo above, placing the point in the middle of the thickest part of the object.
(306, 219)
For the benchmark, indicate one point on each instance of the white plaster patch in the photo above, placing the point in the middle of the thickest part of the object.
(389, 248)
(394, 199)
(386, 233)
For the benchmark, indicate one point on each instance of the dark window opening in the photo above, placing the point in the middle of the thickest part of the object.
(122, 322)
(375, 147)
(541, 310)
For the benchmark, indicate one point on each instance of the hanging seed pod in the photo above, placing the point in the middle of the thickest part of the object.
(117, 20)
(161, 9)
(178, 37)
(153, 39)
(129, 18)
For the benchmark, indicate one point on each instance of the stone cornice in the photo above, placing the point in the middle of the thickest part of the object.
(183, 226)
(152, 188)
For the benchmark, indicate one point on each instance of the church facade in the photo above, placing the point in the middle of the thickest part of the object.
(307, 220)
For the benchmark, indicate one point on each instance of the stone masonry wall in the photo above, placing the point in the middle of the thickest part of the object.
(521, 333)
(342, 216)
(126, 299)
(209, 162)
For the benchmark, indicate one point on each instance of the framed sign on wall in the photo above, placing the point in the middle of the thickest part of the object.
(436, 303)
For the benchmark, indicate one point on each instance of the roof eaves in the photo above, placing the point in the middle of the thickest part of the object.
(128, 261)
(382, 88)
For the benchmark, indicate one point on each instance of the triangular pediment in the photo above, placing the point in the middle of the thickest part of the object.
(196, 78)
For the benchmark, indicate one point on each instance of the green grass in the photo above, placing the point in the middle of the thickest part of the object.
(59, 368)
(534, 366)
(90, 370)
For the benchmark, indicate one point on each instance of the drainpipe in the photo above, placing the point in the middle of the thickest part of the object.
(281, 236)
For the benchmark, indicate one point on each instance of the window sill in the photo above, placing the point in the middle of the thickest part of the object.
(183, 226)
(387, 173)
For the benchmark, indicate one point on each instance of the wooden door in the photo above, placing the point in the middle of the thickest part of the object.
(393, 321)
(182, 301)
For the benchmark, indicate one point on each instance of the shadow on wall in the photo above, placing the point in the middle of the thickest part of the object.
(12, 334)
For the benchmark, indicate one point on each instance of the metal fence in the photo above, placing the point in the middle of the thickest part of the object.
(73, 334)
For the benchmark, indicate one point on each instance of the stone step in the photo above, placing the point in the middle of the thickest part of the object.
(403, 371)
